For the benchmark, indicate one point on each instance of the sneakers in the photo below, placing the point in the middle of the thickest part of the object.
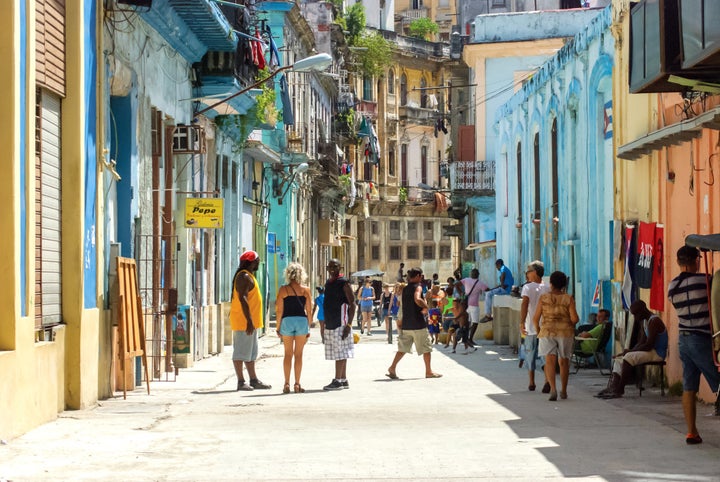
(334, 385)
(345, 384)
(258, 385)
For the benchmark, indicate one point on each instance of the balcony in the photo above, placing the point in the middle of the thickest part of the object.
(413, 14)
(477, 177)
(414, 114)
(367, 108)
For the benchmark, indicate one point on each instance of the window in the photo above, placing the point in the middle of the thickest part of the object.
(374, 227)
(395, 230)
(498, 3)
(536, 155)
(423, 93)
(348, 227)
(412, 252)
(375, 252)
(367, 88)
(391, 160)
(445, 252)
(423, 164)
(412, 230)
(404, 165)
(428, 230)
(429, 251)
(417, 4)
(391, 82)
(519, 181)
(403, 90)
(394, 253)
(554, 167)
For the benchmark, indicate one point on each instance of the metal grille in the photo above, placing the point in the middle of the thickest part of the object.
(157, 283)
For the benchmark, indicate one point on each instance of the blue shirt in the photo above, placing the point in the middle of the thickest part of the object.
(367, 293)
(320, 303)
(509, 280)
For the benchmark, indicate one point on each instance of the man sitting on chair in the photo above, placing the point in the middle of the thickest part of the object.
(589, 346)
(651, 347)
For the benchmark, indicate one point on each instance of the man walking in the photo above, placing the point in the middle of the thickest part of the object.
(473, 288)
(531, 293)
(688, 294)
(506, 284)
(339, 306)
(246, 318)
(413, 327)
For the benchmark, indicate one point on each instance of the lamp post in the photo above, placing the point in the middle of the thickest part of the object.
(280, 179)
(313, 63)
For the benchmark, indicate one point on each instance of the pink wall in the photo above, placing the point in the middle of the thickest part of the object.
(688, 205)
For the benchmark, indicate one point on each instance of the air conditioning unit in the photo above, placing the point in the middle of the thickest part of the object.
(188, 139)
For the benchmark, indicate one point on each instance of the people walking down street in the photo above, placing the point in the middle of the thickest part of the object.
(472, 289)
(460, 327)
(385, 300)
(339, 313)
(292, 308)
(531, 293)
(394, 309)
(319, 307)
(367, 298)
(413, 327)
(503, 288)
(246, 318)
(688, 294)
(400, 278)
(557, 333)
(651, 346)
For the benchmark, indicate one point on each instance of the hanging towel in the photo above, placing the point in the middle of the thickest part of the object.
(288, 115)
(657, 289)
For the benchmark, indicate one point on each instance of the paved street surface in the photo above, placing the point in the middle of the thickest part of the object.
(478, 422)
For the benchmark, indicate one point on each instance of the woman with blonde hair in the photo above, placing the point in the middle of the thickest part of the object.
(293, 308)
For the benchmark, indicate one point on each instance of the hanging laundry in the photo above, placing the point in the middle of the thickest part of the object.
(657, 289)
(260, 51)
(274, 57)
(432, 101)
(288, 115)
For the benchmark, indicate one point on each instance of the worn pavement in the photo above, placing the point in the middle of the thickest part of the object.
(477, 422)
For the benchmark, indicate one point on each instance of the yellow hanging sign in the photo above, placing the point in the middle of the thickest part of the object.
(204, 213)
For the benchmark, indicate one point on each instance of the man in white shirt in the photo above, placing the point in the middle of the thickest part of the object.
(531, 292)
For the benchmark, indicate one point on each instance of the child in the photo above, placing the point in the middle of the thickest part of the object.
(319, 306)
(434, 315)
(462, 323)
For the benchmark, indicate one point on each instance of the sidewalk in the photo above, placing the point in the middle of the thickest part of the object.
(478, 422)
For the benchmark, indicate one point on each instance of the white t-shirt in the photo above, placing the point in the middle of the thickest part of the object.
(533, 291)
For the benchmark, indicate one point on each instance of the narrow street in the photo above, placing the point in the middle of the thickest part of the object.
(477, 422)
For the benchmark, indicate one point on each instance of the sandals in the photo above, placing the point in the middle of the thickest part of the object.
(286, 388)
(298, 389)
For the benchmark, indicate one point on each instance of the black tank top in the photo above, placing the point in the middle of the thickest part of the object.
(294, 306)
(412, 313)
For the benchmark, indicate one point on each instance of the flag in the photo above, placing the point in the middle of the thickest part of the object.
(645, 245)
(628, 288)
(608, 128)
(657, 289)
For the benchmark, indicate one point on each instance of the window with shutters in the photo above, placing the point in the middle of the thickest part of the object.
(48, 212)
(50, 45)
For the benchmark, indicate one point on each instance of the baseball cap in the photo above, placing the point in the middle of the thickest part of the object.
(249, 256)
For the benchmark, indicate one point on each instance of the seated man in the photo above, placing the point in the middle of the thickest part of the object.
(651, 346)
(503, 288)
(588, 347)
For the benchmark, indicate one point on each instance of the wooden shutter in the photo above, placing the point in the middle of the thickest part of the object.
(50, 44)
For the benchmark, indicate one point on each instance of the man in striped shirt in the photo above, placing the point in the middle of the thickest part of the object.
(688, 293)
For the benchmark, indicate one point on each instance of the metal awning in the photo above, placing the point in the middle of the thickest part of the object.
(671, 135)
(260, 152)
(485, 244)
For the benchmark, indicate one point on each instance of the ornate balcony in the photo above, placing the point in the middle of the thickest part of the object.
(477, 177)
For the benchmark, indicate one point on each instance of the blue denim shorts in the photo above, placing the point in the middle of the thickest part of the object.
(696, 355)
(294, 326)
(532, 359)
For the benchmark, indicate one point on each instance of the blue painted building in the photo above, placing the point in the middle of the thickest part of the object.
(555, 163)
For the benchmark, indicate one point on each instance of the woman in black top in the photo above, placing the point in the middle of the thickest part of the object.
(293, 306)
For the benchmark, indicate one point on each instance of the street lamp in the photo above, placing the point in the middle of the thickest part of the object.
(313, 63)
(281, 178)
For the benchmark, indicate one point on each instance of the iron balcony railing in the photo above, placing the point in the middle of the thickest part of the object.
(473, 176)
